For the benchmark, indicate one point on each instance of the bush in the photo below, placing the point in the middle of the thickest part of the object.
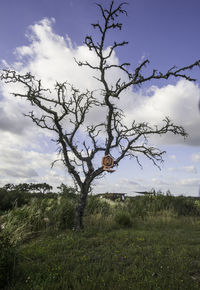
(23, 222)
(186, 207)
(67, 191)
(142, 206)
(40, 214)
(8, 199)
(7, 259)
(123, 219)
(137, 206)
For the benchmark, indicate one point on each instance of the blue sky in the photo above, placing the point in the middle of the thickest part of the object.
(43, 36)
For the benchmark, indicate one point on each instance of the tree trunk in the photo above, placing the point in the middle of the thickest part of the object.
(79, 212)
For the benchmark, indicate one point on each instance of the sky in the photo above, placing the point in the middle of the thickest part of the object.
(44, 36)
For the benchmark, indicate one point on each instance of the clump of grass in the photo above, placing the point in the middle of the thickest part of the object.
(123, 219)
(39, 215)
(152, 205)
(97, 206)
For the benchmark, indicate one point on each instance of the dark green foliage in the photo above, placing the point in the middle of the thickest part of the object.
(123, 219)
(18, 195)
(185, 206)
(137, 206)
(67, 191)
(141, 206)
(7, 259)
(9, 199)
(40, 187)
(29, 187)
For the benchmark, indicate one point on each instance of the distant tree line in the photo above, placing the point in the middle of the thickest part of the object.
(17, 195)
(29, 187)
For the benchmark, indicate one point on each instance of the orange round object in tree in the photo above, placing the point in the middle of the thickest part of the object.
(107, 162)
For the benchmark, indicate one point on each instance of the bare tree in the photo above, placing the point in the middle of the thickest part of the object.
(65, 113)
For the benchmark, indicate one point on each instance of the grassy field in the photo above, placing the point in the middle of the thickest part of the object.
(140, 244)
(152, 254)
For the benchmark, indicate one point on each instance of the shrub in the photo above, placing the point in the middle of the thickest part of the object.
(67, 191)
(123, 219)
(7, 259)
(142, 206)
(137, 206)
(186, 206)
(22, 222)
(8, 199)
(40, 214)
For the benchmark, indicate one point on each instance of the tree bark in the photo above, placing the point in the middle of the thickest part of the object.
(79, 212)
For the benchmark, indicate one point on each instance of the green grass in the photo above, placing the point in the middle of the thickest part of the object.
(154, 253)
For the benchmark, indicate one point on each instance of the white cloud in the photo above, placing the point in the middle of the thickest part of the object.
(196, 157)
(158, 182)
(179, 102)
(51, 57)
(173, 157)
(18, 166)
(189, 182)
(189, 169)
